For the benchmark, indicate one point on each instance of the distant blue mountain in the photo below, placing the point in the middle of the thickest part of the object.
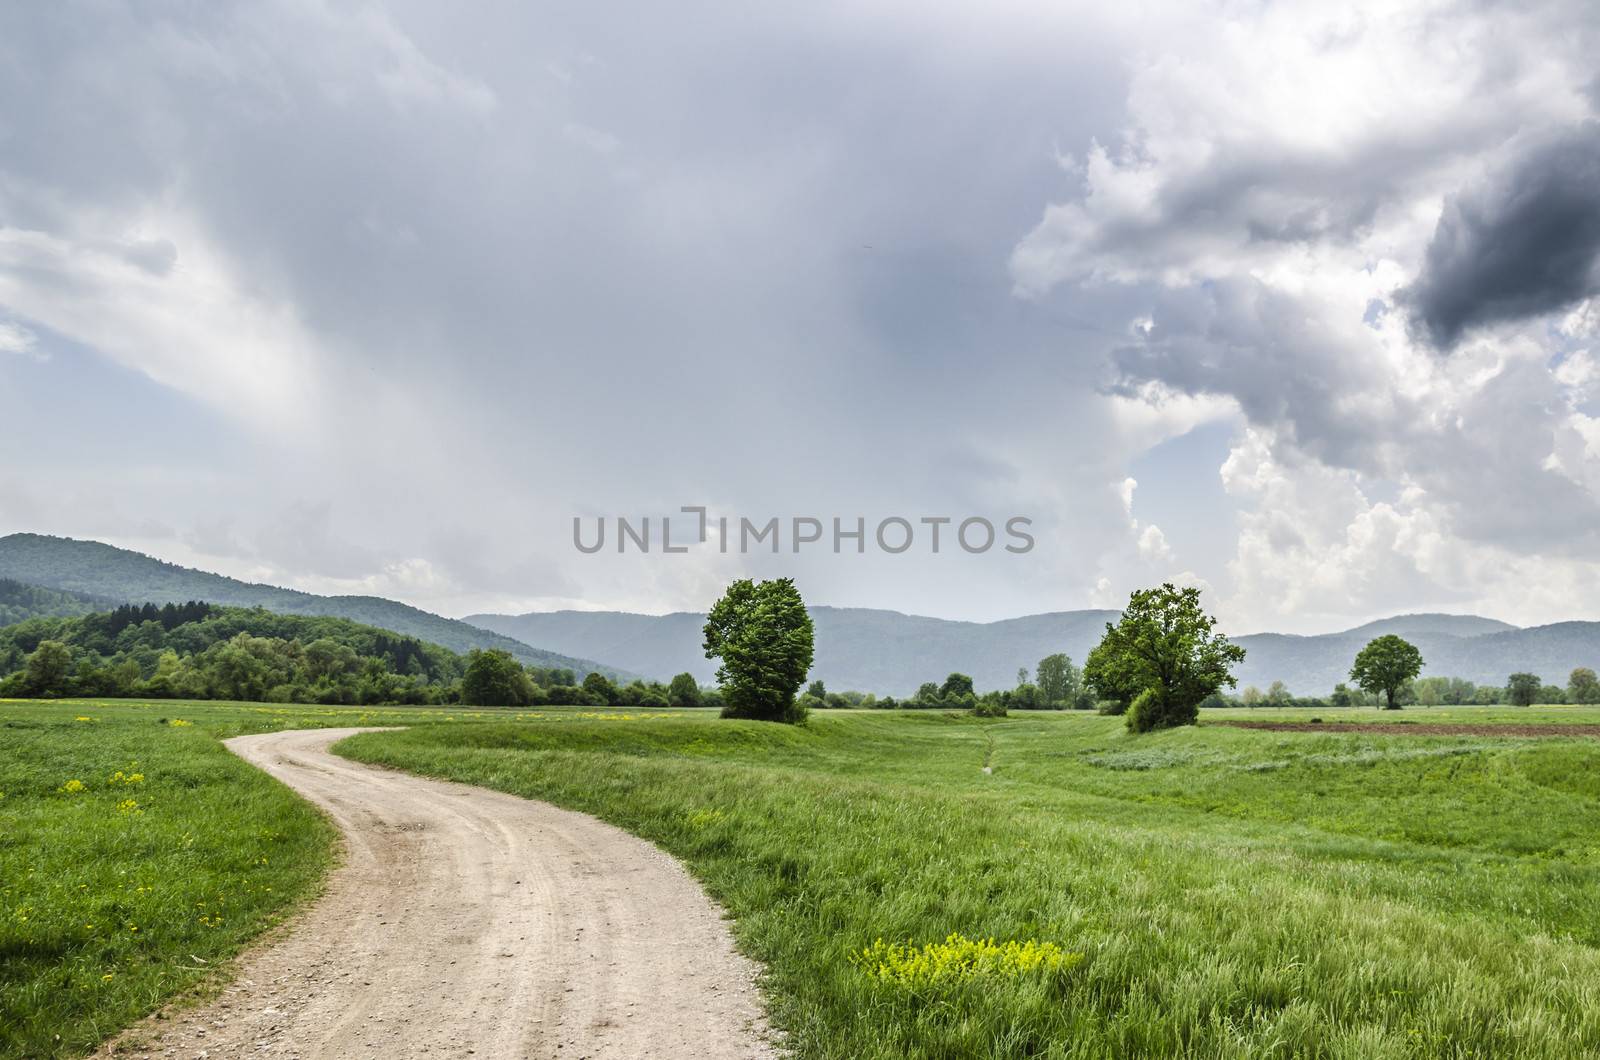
(890, 652)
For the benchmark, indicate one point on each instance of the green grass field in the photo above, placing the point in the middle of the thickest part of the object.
(1231, 892)
(1234, 893)
(135, 854)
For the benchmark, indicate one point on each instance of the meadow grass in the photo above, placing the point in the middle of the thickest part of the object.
(1231, 892)
(1207, 892)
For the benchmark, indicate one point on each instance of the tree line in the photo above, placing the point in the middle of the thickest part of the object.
(197, 650)
(1520, 689)
(1159, 664)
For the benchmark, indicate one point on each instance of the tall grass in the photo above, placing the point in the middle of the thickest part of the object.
(1233, 892)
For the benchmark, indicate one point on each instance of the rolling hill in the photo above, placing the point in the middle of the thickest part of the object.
(117, 575)
(889, 652)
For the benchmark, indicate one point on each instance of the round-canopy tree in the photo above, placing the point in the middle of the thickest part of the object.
(1522, 690)
(1385, 665)
(1166, 652)
(762, 634)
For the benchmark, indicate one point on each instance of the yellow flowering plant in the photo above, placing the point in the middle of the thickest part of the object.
(958, 958)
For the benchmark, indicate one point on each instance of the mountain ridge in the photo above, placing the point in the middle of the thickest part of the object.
(890, 652)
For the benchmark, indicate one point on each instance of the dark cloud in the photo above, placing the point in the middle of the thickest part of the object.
(544, 262)
(1522, 243)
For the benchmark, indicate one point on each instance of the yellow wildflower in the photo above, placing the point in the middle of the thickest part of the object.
(72, 787)
(958, 957)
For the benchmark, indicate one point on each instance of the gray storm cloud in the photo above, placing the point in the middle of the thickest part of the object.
(1522, 243)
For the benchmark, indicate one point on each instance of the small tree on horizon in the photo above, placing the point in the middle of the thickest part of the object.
(601, 687)
(1522, 690)
(762, 635)
(495, 679)
(47, 668)
(684, 691)
(956, 686)
(1583, 686)
(1058, 680)
(1385, 665)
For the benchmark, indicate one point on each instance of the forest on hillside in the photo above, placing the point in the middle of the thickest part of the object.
(198, 650)
(110, 575)
(20, 602)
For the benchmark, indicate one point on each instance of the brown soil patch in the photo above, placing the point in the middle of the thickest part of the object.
(1394, 728)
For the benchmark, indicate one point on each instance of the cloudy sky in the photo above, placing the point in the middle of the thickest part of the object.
(1291, 300)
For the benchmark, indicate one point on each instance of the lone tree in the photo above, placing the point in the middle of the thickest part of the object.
(762, 634)
(1523, 689)
(1166, 650)
(1385, 665)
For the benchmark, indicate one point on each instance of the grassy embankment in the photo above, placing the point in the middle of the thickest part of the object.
(1233, 892)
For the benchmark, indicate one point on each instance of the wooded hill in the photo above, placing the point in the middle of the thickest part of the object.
(118, 575)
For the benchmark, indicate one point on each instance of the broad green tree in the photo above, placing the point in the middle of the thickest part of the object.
(1385, 665)
(1582, 686)
(1522, 690)
(1167, 648)
(762, 635)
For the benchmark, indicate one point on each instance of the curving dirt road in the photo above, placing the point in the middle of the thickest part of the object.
(464, 922)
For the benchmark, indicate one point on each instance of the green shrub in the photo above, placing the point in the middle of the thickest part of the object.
(990, 705)
(1149, 712)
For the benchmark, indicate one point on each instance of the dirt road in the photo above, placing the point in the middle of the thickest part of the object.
(465, 922)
